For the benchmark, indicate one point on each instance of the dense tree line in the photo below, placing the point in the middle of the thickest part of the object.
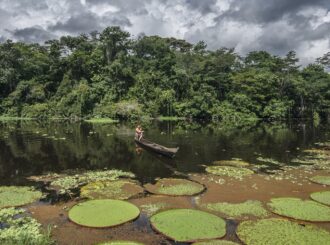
(110, 74)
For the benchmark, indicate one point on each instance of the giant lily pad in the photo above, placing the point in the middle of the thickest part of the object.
(233, 162)
(188, 225)
(323, 180)
(234, 172)
(14, 196)
(216, 242)
(238, 210)
(120, 189)
(103, 213)
(321, 197)
(121, 243)
(175, 187)
(279, 231)
(300, 209)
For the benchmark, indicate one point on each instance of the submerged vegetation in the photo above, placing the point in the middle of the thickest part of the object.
(14, 196)
(18, 228)
(112, 75)
(279, 231)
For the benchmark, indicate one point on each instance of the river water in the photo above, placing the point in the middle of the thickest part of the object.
(32, 147)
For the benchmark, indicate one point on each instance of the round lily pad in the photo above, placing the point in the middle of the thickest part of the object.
(175, 187)
(216, 242)
(120, 189)
(233, 163)
(321, 197)
(188, 225)
(121, 243)
(300, 209)
(238, 210)
(103, 213)
(14, 196)
(279, 231)
(229, 171)
(323, 180)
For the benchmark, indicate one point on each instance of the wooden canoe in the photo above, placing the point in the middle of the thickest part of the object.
(165, 151)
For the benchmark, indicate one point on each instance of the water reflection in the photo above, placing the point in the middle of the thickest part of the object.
(30, 147)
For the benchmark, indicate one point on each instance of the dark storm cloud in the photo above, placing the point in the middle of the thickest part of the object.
(272, 25)
(32, 34)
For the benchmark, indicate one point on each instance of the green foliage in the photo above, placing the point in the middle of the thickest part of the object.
(111, 75)
(233, 162)
(188, 225)
(229, 171)
(175, 187)
(20, 229)
(280, 231)
(103, 213)
(13, 196)
(215, 242)
(120, 243)
(323, 180)
(300, 209)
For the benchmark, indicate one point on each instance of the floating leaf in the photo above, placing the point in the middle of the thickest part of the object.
(14, 196)
(279, 231)
(188, 225)
(216, 242)
(321, 197)
(175, 187)
(121, 243)
(103, 213)
(300, 209)
(323, 180)
(234, 172)
(238, 210)
(119, 189)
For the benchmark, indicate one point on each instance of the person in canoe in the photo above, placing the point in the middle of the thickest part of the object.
(138, 132)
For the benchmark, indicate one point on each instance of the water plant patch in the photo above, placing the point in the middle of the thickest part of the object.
(323, 180)
(321, 197)
(280, 231)
(120, 243)
(175, 187)
(118, 189)
(300, 209)
(188, 225)
(216, 242)
(14, 196)
(238, 210)
(233, 162)
(103, 213)
(229, 171)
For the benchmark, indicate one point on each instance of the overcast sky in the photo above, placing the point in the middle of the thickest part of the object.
(276, 26)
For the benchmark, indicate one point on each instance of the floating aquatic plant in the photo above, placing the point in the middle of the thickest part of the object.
(121, 243)
(233, 162)
(216, 242)
(18, 228)
(238, 210)
(118, 189)
(323, 180)
(188, 225)
(233, 172)
(321, 197)
(300, 209)
(66, 183)
(279, 231)
(14, 196)
(270, 160)
(175, 187)
(103, 213)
